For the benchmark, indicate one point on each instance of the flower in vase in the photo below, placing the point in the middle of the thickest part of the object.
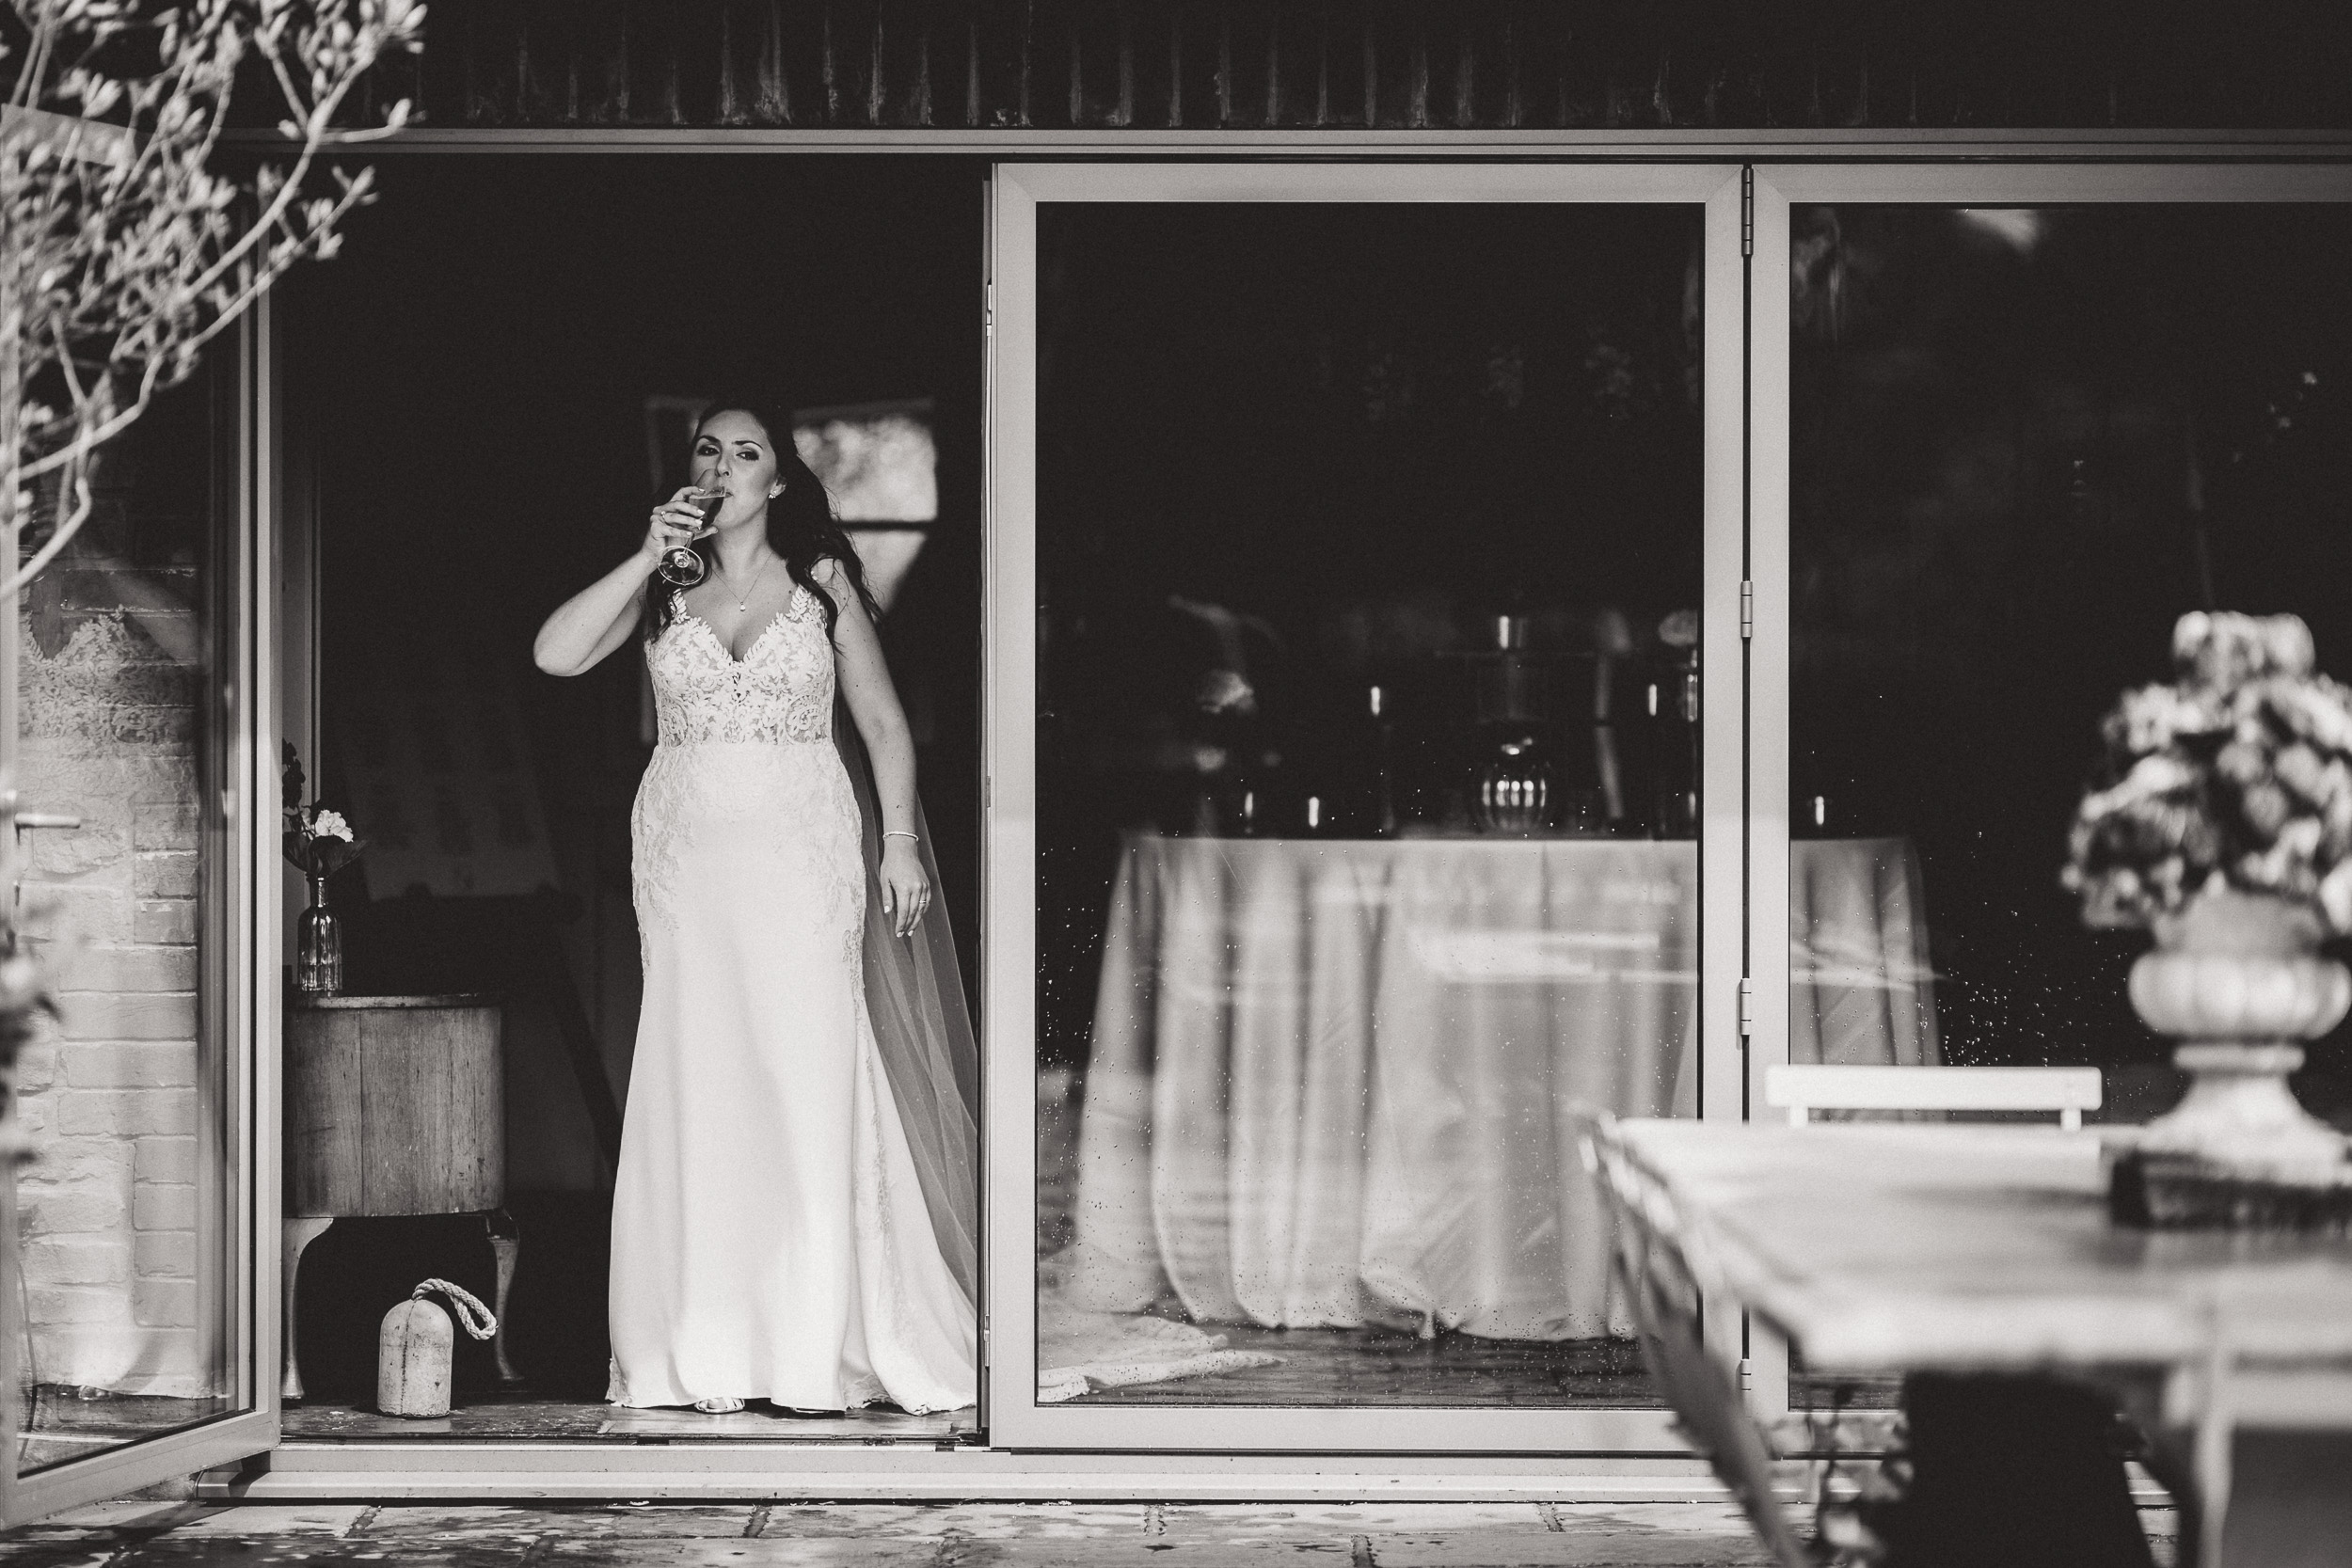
(317, 842)
(2238, 774)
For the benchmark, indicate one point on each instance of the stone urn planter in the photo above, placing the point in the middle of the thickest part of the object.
(2237, 980)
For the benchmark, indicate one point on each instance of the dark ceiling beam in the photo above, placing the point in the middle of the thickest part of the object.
(1403, 65)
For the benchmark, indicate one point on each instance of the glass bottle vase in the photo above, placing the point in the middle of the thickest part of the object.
(318, 947)
(1515, 788)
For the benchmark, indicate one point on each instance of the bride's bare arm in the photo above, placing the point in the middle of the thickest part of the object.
(882, 724)
(592, 623)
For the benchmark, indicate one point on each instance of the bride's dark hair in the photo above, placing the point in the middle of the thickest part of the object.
(801, 529)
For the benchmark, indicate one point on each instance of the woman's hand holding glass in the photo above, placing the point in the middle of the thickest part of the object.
(686, 517)
(906, 890)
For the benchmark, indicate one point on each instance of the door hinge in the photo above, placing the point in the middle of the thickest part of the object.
(1747, 1007)
(1747, 210)
(988, 312)
(1747, 608)
(1747, 1376)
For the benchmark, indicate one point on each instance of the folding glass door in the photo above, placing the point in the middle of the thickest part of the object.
(132, 784)
(2011, 425)
(1377, 773)
(1363, 770)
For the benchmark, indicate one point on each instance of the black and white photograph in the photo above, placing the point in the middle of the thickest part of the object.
(948, 781)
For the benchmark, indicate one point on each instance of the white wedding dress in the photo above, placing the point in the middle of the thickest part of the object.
(770, 1240)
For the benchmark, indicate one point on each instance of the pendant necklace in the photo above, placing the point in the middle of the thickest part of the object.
(744, 603)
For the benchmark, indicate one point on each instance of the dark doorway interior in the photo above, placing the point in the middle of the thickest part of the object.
(480, 390)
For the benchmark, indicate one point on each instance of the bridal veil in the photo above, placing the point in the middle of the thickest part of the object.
(922, 1030)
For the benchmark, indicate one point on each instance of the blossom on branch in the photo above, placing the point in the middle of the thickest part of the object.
(124, 246)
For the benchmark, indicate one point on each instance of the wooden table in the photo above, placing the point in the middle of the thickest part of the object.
(395, 1105)
(1980, 1263)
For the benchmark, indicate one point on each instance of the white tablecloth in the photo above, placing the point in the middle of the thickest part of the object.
(1861, 990)
(1330, 1079)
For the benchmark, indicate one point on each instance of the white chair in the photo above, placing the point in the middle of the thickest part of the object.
(1802, 1089)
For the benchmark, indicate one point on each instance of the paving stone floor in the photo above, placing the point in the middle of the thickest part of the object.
(962, 1535)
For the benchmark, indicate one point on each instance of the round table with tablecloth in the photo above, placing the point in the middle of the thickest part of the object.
(1332, 1081)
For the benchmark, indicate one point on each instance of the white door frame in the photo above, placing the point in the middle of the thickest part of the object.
(2008, 167)
(1009, 927)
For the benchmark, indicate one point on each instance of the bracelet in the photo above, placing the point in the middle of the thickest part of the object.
(901, 832)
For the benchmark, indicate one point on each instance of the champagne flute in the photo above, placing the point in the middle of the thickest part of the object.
(682, 565)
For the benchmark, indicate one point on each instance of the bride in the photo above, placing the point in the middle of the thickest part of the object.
(792, 1212)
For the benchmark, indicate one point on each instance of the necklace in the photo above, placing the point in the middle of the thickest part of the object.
(745, 602)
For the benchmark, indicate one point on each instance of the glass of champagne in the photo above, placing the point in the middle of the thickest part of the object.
(682, 565)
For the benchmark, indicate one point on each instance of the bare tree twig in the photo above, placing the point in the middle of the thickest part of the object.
(122, 252)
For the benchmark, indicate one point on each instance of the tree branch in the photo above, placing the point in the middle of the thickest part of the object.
(132, 265)
(67, 528)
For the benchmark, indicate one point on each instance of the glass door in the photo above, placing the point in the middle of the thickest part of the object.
(129, 1309)
(2011, 425)
(1364, 793)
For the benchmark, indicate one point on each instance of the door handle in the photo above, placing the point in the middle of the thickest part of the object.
(24, 819)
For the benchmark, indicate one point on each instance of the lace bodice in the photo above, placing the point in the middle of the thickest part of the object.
(746, 761)
(780, 691)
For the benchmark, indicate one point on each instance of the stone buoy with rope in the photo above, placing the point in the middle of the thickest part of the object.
(415, 1349)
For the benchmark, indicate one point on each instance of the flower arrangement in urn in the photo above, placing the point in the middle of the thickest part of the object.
(2222, 821)
(2239, 776)
(318, 843)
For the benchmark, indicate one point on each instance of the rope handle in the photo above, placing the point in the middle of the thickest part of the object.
(475, 1317)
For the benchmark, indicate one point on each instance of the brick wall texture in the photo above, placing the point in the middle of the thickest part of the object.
(116, 1249)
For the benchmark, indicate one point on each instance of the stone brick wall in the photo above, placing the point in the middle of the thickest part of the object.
(112, 681)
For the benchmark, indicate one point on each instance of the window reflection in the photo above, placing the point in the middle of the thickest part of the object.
(124, 1211)
(1368, 547)
(2026, 440)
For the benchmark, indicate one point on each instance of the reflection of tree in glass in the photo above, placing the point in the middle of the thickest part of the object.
(2021, 451)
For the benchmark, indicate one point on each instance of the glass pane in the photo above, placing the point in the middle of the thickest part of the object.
(1369, 554)
(124, 1212)
(2025, 441)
